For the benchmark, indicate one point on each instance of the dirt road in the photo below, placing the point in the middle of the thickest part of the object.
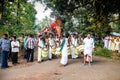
(101, 69)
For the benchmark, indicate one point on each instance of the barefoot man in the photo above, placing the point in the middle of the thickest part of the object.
(88, 48)
(64, 50)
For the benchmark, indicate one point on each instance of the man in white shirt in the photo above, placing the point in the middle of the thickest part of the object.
(15, 49)
(88, 48)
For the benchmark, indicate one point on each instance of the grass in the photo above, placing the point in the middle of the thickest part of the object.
(118, 56)
(103, 52)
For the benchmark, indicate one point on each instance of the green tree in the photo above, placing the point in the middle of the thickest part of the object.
(45, 22)
(18, 17)
(91, 15)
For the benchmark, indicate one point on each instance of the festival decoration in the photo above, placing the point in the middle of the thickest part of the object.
(57, 26)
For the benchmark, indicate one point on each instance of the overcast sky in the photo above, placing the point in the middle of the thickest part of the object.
(41, 13)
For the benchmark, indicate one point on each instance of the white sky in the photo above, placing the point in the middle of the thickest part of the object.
(41, 13)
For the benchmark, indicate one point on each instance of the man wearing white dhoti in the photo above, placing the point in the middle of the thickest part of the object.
(51, 44)
(106, 42)
(64, 50)
(88, 48)
(40, 47)
(73, 45)
(110, 43)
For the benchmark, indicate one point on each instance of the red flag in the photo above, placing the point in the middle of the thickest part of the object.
(53, 25)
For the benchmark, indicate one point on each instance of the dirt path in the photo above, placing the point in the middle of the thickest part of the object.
(101, 69)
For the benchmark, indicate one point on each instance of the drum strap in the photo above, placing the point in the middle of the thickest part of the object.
(62, 45)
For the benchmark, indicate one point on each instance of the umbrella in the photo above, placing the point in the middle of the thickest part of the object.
(115, 34)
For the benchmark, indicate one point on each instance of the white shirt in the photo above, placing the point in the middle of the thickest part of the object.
(40, 43)
(15, 43)
(51, 42)
(89, 43)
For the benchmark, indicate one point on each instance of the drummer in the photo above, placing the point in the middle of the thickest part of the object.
(73, 46)
(51, 45)
(57, 41)
(40, 47)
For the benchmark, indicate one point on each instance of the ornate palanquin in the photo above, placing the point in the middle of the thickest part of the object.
(57, 25)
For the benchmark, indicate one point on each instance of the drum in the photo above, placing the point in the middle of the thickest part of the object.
(76, 51)
(69, 51)
(80, 48)
(45, 52)
(53, 49)
(58, 51)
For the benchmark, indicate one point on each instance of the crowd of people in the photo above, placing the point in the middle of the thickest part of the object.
(112, 43)
(48, 46)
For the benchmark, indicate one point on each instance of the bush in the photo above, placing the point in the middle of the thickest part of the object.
(103, 52)
(99, 43)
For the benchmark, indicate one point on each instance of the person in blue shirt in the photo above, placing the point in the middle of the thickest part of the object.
(5, 48)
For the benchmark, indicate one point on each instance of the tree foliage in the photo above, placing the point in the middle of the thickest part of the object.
(18, 17)
(85, 15)
(45, 22)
